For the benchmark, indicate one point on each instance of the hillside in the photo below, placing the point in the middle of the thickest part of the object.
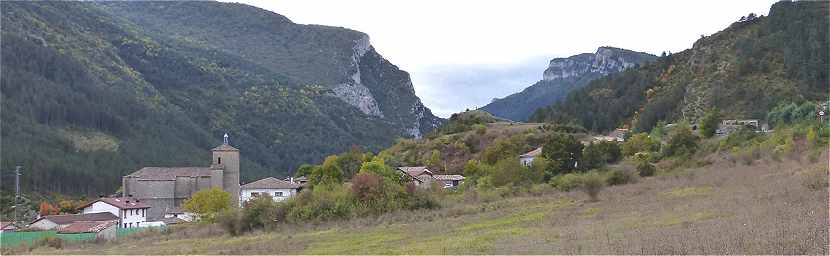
(719, 209)
(91, 91)
(562, 76)
(744, 71)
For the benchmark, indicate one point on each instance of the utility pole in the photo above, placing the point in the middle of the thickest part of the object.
(16, 194)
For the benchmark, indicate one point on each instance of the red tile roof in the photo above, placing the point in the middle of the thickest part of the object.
(120, 203)
(86, 227)
(533, 153)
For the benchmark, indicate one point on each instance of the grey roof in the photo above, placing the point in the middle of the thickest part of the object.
(170, 173)
(415, 171)
(70, 218)
(449, 177)
(224, 147)
(271, 183)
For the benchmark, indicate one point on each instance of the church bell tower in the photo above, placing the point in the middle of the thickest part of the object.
(226, 157)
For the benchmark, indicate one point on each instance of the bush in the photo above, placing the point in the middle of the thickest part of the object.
(618, 177)
(566, 182)
(709, 123)
(640, 142)
(261, 212)
(230, 221)
(323, 202)
(681, 141)
(53, 242)
(592, 184)
(646, 169)
(480, 129)
(209, 202)
(816, 179)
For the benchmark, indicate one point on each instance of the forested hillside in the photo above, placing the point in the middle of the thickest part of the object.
(744, 71)
(91, 91)
(562, 76)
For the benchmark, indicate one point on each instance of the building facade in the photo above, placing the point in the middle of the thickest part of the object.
(131, 212)
(166, 188)
(277, 189)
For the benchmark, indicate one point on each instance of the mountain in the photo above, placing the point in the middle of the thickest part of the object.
(94, 90)
(562, 76)
(744, 71)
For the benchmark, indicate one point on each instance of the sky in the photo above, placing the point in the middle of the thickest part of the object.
(463, 53)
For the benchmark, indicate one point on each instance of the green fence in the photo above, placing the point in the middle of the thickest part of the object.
(18, 238)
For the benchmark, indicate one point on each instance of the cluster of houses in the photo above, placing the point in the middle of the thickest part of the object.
(153, 196)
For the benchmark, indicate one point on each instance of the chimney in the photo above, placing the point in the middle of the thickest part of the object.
(292, 179)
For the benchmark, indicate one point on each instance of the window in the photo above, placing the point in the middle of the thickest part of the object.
(277, 193)
(143, 211)
(219, 160)
(254, 194)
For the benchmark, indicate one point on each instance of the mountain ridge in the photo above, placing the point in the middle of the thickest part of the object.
(563, 75)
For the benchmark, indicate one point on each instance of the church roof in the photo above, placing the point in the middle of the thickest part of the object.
(169, 173)
(271, 183)
(224, 147)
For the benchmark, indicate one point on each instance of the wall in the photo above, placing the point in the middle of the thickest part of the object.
(246, 194)
(108, 234)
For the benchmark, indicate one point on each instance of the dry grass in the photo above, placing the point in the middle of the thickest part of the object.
(723, 208)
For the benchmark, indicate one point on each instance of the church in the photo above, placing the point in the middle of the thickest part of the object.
(166, 188)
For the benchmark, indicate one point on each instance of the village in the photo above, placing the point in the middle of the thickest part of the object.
(152, 197)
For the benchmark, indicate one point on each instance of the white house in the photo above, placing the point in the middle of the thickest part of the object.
(131, 212)
(52, 222)
(275, 188)
(526, 159)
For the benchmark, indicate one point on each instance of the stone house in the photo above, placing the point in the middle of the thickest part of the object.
(131, 212)
(419, 175)
(166, 188)
(52, 222)
(277, 189)
(449, 181)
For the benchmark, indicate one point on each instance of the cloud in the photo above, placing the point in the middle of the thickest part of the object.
(451, 88)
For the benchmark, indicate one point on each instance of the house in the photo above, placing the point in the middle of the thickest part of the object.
(178, 213)
(302, 180)
(728, 126)
(104, 230)
(420, 175)
(52, 222)
(619, 134)
(166, 188)
(449, 181)
(526, 159)
(131, 212)
(277, 189)
(7, 226)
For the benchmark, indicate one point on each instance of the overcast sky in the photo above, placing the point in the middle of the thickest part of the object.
(463, 53)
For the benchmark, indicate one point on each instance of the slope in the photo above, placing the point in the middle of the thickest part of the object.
(91, 91)
(744, 71)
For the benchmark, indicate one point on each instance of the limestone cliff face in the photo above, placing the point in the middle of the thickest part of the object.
(605, 61)
(563, 75)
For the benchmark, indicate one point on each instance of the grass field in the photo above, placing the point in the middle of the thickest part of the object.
(725, 208)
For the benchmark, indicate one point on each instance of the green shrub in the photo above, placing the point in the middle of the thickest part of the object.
(566, 182)
(50, 241)
(640, 142)
(618, 177)
(592, 183)
(480, 129)
(646, 169)
(681, 141)
(259, 213)
(230, 221)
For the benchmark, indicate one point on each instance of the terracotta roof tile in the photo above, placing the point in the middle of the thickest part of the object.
(120, 202)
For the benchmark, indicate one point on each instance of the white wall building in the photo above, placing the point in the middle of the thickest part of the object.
(275, 188)
(526, 159)
(131, 212)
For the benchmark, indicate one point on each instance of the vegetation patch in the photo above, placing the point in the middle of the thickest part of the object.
(688, 192)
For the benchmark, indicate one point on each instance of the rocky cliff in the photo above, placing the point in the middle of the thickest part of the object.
(562, 76)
